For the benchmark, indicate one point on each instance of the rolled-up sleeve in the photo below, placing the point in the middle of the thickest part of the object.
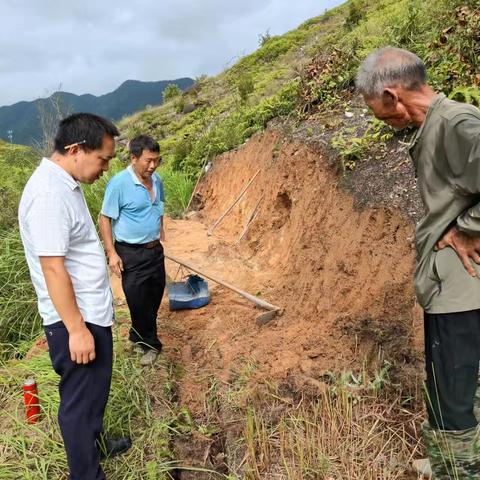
(49, 224)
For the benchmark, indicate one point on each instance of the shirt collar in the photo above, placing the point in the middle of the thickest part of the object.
(433, 106)
(60, 173)
(135, 178)
(132, 173)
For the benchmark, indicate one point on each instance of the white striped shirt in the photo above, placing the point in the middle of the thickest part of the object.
(54, 221)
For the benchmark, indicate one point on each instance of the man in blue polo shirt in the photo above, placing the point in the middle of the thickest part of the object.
(133, 209)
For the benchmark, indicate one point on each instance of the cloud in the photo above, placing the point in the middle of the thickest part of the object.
(92, 46)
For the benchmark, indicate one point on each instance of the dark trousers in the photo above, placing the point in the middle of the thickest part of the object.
(143, 281)
(84, 393)
(452, 355)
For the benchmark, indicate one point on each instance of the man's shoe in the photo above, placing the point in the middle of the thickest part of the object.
(111, 447)
(148, 358)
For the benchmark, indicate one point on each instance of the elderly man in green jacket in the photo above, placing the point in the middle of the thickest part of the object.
(446, 154)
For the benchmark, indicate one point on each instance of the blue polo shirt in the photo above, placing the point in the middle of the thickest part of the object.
(135, 217)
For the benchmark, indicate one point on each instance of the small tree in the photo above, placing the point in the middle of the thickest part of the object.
(50, 112)
(263, 38)
(201, 78)
(171, 91)
(356, 12)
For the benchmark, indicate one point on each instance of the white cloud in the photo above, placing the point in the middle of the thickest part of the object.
(93, 46)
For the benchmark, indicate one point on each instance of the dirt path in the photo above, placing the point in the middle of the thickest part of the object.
(209, 340)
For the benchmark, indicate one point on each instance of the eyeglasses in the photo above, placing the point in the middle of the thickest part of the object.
(66, 147)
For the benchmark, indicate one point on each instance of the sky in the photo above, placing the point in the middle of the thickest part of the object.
(93, 46)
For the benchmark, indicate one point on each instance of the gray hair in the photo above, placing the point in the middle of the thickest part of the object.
(388, 67)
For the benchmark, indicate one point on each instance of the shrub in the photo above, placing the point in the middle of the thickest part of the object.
(356, 12)
(171, 91)
(245, 86)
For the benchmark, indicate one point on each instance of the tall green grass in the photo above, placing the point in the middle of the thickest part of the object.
(19, 319)
(140, 406)
(178, 189)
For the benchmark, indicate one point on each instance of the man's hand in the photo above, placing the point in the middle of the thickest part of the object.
(162, 234)
(465, 246)
(115, 263)
(81, 345)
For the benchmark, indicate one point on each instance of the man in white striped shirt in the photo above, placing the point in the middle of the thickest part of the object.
(69, 272)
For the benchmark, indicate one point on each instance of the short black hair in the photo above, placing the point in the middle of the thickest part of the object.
(137, 145)
(87, 129)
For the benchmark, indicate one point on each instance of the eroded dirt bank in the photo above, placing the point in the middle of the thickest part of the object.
(342, 277)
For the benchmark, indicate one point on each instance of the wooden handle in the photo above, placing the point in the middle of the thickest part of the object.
(242, 193)
(248, 296)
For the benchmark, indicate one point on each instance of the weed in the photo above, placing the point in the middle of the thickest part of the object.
(171, 91)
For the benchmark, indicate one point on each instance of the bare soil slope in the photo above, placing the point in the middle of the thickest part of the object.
(343, 277)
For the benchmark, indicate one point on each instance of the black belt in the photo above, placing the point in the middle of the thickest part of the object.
(151, 244)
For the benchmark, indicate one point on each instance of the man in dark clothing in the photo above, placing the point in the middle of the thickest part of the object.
(446, 155)
(133, 209)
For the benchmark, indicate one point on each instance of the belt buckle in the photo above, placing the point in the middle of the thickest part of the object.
(151, 244)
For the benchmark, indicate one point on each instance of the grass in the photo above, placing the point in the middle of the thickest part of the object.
(356, 427)
(19, 319)
(360, 436)
(140, 405)
(178, 189)
(16, 163)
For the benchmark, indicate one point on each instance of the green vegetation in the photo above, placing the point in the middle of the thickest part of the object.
(19, 321)
(36, 451)
(352, 148)
(178, 189)
(16, 163)
(171, 91)
(311, 70)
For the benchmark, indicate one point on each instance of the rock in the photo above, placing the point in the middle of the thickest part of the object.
(422, 467)
(189, 108)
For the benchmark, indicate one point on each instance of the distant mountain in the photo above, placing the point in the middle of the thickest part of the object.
(22, 122)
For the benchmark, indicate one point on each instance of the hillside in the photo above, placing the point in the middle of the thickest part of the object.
(332, 387)
(22, 118)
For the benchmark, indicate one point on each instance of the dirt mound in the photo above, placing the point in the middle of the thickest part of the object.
(342, 276)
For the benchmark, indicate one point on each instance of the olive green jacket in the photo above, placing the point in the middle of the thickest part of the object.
(446, 155)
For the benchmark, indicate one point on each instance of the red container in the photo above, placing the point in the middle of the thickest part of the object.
(30, 397)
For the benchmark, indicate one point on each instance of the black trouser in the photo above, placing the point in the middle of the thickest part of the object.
(84, 393)
(452, 355)
(143, 281)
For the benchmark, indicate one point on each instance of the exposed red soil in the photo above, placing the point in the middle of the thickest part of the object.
(342, 276)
